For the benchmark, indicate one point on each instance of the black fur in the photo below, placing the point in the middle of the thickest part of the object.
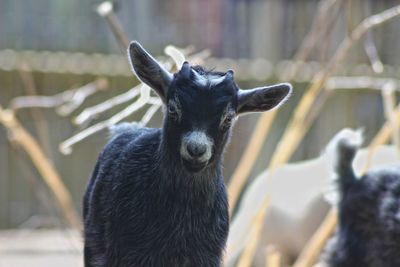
(143, 206)
(368, 234)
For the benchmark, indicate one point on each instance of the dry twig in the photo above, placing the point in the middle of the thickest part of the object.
(249, 158)
(65, 146)
(317, 28)
(93, 111)
(370, 47)
(299, 124)
(88, 113)
(273, 257)
(389, 104)
(80, 95)
(177, 57)
(360, 82)
(315, 245)
(106, 10)
(382, 137)
(65, 102)
(264, 123)
(41, 125)
(151, 111)
(48, 173)
(372, 53)
(246, 258)
(311, 251)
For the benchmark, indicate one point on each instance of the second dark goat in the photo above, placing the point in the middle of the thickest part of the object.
(157, 196)
(368, 233)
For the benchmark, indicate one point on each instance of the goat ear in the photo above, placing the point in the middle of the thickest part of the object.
(148, 70)
(263, 98)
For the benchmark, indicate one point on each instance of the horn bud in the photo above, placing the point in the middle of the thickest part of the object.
(185, 69)
(229, 74)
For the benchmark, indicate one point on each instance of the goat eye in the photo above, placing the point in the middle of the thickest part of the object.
(172, 111)
(227, 121)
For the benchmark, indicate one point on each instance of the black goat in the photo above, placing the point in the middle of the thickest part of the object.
(368, 234)
(157, 196)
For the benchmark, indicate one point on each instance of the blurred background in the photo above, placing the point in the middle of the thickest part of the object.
(59, 59)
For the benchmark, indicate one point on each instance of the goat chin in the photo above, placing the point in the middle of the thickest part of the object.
(192, 166)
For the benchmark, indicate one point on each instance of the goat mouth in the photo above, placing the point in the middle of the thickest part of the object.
(194, 166)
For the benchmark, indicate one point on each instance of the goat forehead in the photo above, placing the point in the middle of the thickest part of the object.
(205, 102)
(205, 80)
(191, 91)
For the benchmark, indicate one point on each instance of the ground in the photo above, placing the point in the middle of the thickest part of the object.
(40, 248)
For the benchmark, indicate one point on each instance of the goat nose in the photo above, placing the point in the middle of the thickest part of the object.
(196, 150)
